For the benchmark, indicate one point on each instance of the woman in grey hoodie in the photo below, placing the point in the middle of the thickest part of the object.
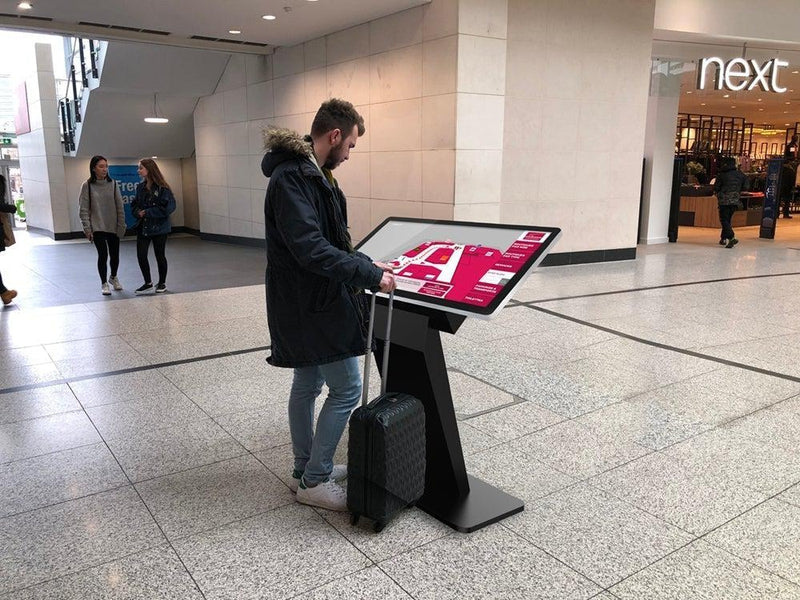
(103, 220)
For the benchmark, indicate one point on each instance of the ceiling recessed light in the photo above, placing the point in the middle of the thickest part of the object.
(268, 17)
(726, 96)
(689, 92)
(25, 6)
(702, 104)
(761, 109)
(234, 31)
(787, 102)
(795, 72)
(733, 107)
(759, 99)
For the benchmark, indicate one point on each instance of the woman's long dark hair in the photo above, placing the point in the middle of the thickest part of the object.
(154, 176)
(92, 164)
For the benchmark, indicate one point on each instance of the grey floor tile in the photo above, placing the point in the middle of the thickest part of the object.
(247, 394)
(23, 357)
(107, 363)
(88, 349)
(155, 573)
(134, 417)
(516, 473)
(43, 435)
(792, 495)
(199, 499)
(471, 395)
(261, 429)
(659, 485)
(37, 402)
(61, 539)
(596, 534)
(514, 421)
(779, 426)
(490, 563)
(369, 583)
(702, 572)
(172, 449)
(738, 460)
(474, 440)
(206, 372)
(768, 535)
(278, 554)
(44, 480)
(409, 529)
(30, 374)
(578, 450)
(123, 387)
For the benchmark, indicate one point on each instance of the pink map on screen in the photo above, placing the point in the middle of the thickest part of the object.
(468, 273)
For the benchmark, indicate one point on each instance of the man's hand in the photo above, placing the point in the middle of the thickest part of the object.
(88, 235)
(388, 282)
(384, 266)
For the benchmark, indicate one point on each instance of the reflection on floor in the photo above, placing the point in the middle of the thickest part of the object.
(648, 413)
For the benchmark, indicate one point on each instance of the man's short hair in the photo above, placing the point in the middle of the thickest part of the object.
(337, 114)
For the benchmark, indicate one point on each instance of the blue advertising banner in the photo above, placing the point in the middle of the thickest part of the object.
(769, 214)
(126, 178)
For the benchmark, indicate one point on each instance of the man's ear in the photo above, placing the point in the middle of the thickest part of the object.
(335, 136)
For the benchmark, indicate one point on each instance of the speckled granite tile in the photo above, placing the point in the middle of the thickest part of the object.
(248, 394)
(758, 388)
(207, 497)
(778, 426)
(515, 473)
(38, 402)
(61, 539)
(474, 440)
(368, 583)
(738, 460)
(489, 563)
(134, 417)
(792, 495)
(471, 395)
(172, 449)
(122, 388)
(514, 421)
(155, 573)
(659, 485)
(27, 375)
(24, 357)
(33, 437)
(52, 478)
(577, 450)
(88, 349)
(409, 529)
(205, 372)
(278, 554)
(702, 572)
(768, 535)
(280, 460)
(596, 534)
(260, 429)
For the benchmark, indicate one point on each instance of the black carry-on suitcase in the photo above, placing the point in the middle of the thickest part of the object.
(386, 451)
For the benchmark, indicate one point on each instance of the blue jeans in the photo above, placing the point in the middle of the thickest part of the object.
(313, 451)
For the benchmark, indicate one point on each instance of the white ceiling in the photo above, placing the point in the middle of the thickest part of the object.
(296, 21)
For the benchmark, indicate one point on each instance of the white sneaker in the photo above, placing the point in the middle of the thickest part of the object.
(114, 281)
(326, 495)
(105, 290)
(339, 473)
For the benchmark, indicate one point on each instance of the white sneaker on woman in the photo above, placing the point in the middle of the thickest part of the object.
(105, 290)
(114, 281)
(326, 495)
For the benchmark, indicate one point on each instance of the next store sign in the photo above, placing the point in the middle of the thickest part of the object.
(738, 74)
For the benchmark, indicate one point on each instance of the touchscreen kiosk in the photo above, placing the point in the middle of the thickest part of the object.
(470, 269)
(447, 271)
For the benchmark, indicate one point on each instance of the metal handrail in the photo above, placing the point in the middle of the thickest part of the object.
(78, 79)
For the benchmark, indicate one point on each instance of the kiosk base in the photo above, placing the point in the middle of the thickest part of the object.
(482, 506)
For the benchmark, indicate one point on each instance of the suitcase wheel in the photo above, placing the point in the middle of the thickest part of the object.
(378, 526)
(354, 519)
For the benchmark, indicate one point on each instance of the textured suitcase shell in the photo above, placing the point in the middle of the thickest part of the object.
(386, 457)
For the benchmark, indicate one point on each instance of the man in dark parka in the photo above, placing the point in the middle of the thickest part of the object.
(313, 280)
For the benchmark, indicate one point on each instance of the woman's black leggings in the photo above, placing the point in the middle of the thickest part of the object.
(107, 244)
(159, 247)
(3, 289)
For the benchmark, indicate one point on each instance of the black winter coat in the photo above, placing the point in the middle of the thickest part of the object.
(314, 311)
(729, 185)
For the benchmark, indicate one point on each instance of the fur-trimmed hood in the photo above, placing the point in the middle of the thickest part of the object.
(282, 145)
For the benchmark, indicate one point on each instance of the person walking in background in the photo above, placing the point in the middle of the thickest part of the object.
(728, 188)
(790, 152)
(313, 278)
(788, 177)
(7, 211)
(153, 204)
(103, 219)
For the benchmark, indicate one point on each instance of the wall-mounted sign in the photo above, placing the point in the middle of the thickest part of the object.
(738, 74)
(127, 177)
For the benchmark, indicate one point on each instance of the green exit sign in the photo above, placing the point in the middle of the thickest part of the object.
(6, 141)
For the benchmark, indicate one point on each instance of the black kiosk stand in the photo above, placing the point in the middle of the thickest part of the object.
(417, 367)
(439, 283)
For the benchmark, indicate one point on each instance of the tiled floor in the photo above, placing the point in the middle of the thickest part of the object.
(648, 413)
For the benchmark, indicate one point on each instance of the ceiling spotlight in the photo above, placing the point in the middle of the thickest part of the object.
(733, 107)
(786, 124)
(268, 17)
(761, 109)
(25, 6)
(155, 118)
(787, 102)
(759, 99)
(795, 72)
(689, 92)
(235, 31)
(702, 104)
(726, 96)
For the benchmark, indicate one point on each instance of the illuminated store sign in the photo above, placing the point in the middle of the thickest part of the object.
(738, 74)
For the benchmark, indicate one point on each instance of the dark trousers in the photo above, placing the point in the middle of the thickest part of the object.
(107, 244)
(725, 214)
(159, 247)
(787, 203)
(3, 288)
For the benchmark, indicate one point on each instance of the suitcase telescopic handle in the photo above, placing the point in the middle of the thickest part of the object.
(368, 352)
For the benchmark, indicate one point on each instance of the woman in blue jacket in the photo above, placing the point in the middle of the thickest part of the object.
(153, 204)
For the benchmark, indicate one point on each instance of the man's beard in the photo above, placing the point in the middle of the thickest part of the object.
(334, 157)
